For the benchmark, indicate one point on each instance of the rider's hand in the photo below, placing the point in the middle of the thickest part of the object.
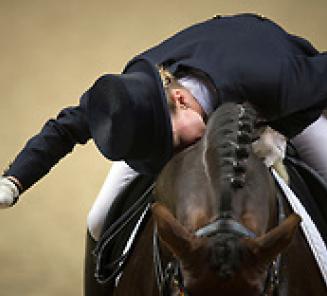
(271, 147)
(8, 193)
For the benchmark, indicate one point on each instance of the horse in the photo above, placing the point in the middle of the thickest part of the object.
(219, 225)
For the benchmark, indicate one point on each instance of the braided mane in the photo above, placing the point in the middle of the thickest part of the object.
(228, 139)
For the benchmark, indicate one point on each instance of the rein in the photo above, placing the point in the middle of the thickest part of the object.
(116, 266)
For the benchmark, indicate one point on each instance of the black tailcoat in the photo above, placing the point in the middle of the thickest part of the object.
(246, 56)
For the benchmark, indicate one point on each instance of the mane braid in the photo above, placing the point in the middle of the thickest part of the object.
(229, 136)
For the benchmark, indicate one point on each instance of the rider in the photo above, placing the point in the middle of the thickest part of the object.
(244, 57)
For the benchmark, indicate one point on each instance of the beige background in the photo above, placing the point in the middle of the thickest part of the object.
(50, 52)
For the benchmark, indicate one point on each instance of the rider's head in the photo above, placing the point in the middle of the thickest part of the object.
(129, 117)
(187, 115)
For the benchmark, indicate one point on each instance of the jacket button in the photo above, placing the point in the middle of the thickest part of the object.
(217, 16)
(261, 16)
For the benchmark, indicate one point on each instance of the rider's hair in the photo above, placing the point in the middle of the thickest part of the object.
(169, 82)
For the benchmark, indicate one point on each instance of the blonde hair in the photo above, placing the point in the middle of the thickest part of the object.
(169, 82)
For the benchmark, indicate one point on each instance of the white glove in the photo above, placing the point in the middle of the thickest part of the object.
(8, 193)
(271, 147)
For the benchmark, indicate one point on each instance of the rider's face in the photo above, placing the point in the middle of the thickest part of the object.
(188, 120)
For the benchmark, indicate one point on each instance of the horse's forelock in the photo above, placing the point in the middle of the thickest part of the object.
(225, 254)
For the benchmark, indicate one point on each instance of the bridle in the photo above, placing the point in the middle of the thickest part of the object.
(170, 274)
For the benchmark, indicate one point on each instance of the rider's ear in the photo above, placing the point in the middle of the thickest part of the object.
(267, 247)
(174, 235)
(178, 97)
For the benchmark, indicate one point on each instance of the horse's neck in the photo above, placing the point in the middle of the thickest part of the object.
(189, 197)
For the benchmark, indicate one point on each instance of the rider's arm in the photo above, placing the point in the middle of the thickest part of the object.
(56, 139)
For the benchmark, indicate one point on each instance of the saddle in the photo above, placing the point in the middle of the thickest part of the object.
(107, 254)
(310, 188)
(104, 260)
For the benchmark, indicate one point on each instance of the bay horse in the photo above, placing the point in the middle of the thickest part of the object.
(219, 225)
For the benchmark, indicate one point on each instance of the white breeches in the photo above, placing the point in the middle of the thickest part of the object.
(311, 145)
(118, 178)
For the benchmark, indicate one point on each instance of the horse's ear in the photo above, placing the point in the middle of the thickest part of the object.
(175, 236)
(267, 247)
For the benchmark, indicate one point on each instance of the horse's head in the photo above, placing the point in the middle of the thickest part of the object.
(220, 218)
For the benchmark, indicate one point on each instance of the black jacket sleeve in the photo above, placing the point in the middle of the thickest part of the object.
(56, 139)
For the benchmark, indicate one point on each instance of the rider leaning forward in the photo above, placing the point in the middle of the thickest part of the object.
(162, 100)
